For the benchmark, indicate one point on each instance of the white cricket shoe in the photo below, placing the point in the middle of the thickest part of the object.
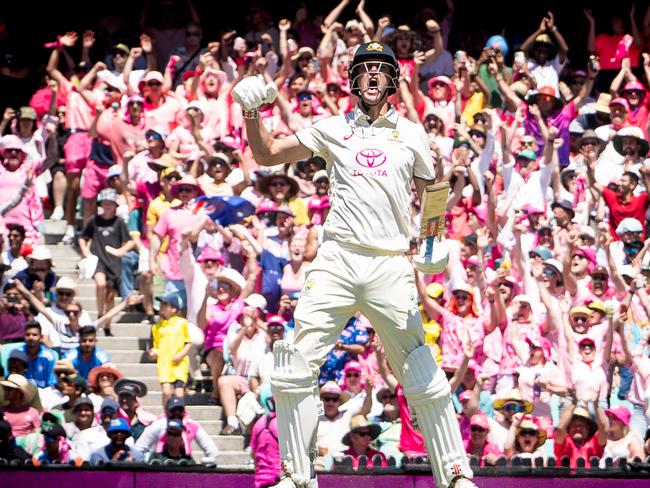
(462, 482)
(57, 213)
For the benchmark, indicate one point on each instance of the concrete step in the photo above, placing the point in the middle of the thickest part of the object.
(228, 458)
(139, 330)
(123, 343)
(61, 251)
(119, 356)
(66, 261)
(132, 370)
(199, 413)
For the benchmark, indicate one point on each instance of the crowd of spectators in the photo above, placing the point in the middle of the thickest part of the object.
(540, 320)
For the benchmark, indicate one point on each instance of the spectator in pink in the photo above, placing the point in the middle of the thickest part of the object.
(264, 446)
(215, 319)
(621, 442)
(361, 434)
(577, 435)
(160, 109)
(14, 172)
(171, 224)
(478, 444)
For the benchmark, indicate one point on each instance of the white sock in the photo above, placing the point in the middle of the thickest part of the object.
(69, 230)
(233, 421)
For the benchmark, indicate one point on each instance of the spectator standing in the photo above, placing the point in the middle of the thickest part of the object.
(171, 344)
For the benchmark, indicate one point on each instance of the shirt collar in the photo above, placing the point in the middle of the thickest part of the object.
(389, 119)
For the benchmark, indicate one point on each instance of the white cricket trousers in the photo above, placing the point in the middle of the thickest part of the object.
(345, 279)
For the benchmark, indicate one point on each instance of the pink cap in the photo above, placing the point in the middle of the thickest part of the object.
(275, 320)
(531, 209)
(542, 343)
(481, 213)
(12, 142)
(634, 85)
(352, 366)
(587, 252)
(479, 420)
(210, 254)
(465, 395)
(472, 260)
(620, 101)
(620, 413)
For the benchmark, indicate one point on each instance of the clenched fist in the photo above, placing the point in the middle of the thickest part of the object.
(251, 93)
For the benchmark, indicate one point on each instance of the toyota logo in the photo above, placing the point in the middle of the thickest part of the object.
(370, 158)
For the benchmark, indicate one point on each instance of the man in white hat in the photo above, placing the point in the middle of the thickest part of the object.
(58, 333)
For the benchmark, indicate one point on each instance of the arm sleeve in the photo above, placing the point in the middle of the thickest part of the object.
(186, 333)
(206, 443)
(313, 139)
(89, 230)
(154, 336)
(160, 229)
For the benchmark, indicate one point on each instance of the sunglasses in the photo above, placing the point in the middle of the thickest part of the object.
(439, 85)
(513, 407)
(152, 135)
(352, 375)
(186, 189)
(172, 178)
(461, 296)
(530, 432)
(278, 183)
(111, 89)
(72, 312)
(331, 399)
(580, 318)
(527, 143)
(211, 262)
(153, 83)
(475, 428)
(365, 433)
(223, 284)
(549, 272)
(391, 396)
(64, 293)
(192, 34)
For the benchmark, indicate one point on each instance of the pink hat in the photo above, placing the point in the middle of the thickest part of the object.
(479, 420)
(620, 413)
(481, 213)
(150, 76)
(275, 320)
(589, 254)
(352, 366)
(217, 73)
(541, 343)
(472, 260)
(12, 142)
(210, 254)
(531, 209)
(620, 101)
(465, 395)
(633, 85)
(451, 88)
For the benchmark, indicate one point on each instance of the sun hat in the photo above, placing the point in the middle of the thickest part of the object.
(359, 422)
(564, 204)
(540, 343)
(151, 76)
(588, 253)
(513, 396)
(555, 264)
(580, 310)
(587, 135)
(597, 305)
(352, 366)
(543, 252)
(631, 131)
(113, 171)
(633, 85)
(256, 300)
(158, 129)
(65, 283)
(583, 413)
(576, 128)
(451, 88)
(266, 181)
(103, 369)
(332, 388)
(528, 423)
(233, 277)
(19, 382)
(196, 105)
(209, 253)
(186, 180)
(320, 174)
(522, 299)
(544, 40)
(601, 104)
(620, 413)
(548, 91)
(27, 113)
(126, 386)
(528, 154)
(464, 395)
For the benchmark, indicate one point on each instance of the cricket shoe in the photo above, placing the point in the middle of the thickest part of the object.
(462, 482)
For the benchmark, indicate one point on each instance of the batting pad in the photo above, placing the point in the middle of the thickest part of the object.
(297, 407)
(428, 394)
(433, 255)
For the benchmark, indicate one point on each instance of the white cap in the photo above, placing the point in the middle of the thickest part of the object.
(65, 283)
(115, 170)
(585, 230)
(41, 253)
(522, 299)
(196, 104)
(256, 300)
(321, 173)
(554, 263)
(628, 224)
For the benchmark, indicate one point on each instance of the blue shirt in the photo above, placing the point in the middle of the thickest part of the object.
(98, 358)
(336, 359)
(40, 370)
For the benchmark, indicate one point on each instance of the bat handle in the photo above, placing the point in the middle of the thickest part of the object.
(429, 249)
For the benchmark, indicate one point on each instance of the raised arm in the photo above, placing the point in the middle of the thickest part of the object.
(591, 36)
(562, 46)
(334, 14)
(365, 19)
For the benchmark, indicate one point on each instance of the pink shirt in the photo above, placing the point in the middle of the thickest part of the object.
(410, 440)
(370, 453)
(588, 378)
(266, 453)
(217, 116)
(526, 383)
(451, 344)
(29, 212)
(488, 448)
(186, 145)
(164, 115)
(641, 384)
(79, 115)
(24, 421)
(509, 360)
(219, 318)
(172, 222)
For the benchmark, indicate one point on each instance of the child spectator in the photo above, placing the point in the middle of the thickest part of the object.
(171, 344)
(106, 237)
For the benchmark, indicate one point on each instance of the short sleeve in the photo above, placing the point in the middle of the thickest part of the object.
(124, 233)
(423, 164)
(89, 230)
(186, 332)
(161, 227)
(312, 139)
(154, 336)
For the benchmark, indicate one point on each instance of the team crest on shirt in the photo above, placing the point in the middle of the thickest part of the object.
(309, 284)
(394, 136)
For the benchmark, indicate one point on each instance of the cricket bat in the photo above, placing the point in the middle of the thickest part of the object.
(433, 256)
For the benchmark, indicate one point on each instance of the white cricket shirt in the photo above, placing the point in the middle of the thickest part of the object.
(370, 167)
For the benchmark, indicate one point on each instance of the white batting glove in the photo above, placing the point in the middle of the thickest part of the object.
(251, 93)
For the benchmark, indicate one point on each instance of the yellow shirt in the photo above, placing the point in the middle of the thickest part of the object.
(156, 208)
(299, 207)
(432, 331)
(169, 337)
